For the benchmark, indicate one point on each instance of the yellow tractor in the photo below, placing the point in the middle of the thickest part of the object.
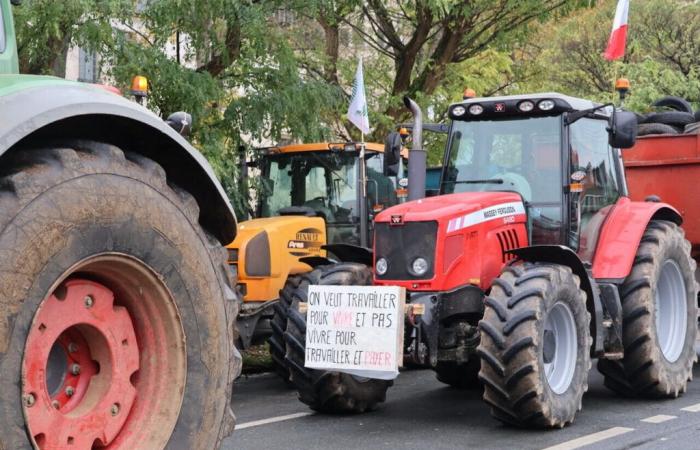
(312, 205)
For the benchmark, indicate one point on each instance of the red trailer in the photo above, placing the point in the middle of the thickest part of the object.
(668, 166)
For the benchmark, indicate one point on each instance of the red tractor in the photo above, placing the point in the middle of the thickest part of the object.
(530, 263)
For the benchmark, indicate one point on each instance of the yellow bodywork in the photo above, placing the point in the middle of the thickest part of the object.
(288, 239)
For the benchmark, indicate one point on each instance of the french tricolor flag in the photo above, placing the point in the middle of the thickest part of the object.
(618, 36)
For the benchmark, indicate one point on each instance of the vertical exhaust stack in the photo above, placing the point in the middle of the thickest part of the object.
(417, 157)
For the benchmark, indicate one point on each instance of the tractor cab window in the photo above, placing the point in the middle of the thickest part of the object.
(593, 172)
(521, 155)
(381, 190)
(323, 182)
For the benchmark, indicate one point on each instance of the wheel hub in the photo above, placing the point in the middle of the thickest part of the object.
(671, 311)
(80, 356)
(559, 347)
(549, 346)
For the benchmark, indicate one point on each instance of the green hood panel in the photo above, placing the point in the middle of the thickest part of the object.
(10, 84)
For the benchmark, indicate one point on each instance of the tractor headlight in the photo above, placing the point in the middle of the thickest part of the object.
(546, 105)
(458, 111)
(419, 266)
(381, 266)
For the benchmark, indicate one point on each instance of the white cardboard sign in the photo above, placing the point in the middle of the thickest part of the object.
(355, 329)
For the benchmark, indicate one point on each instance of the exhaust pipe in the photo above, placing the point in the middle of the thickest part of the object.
(418, 156)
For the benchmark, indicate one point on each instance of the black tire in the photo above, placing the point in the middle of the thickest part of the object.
(675, 118)
(278, 347)
(697, 115)
(460, 376)
(516, 386)
(676, 103)
(61, 205)
(645, 129)
(323, 391)
(693, 128)
(645, 371)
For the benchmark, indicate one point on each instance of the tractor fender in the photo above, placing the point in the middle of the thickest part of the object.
(35, 110)
(351, 253)
(621, 234)
(559, 254)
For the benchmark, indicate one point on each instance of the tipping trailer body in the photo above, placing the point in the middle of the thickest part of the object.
(668, 166)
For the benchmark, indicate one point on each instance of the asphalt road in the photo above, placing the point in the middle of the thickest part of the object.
(421, 413)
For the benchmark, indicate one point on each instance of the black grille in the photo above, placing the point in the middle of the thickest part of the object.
(401, 245)
(508, 240)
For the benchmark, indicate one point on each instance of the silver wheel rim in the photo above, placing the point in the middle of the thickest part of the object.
(671, 311)
(561, 326)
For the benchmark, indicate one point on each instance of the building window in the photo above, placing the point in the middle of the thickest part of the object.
(284, 17)
(2, 32)
(88, 67)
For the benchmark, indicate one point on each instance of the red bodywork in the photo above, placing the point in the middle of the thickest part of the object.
(621, 233)
(475, 229)
(668, 166)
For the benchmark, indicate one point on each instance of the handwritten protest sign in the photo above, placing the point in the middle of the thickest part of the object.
(355, 329)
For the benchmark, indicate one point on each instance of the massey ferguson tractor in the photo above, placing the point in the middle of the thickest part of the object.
(117, 314)
(310, 203)
(530, 263)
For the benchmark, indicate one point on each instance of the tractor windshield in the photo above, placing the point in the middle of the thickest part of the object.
(324, 183)
(521, 155)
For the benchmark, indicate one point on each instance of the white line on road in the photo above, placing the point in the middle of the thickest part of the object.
(659, 419)
(590, 438)
(692, 408)
(256, 423)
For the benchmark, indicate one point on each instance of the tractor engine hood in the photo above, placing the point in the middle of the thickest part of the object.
(266, 251)
(452, 206)
(463, 236)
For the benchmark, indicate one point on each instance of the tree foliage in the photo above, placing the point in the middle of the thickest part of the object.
(253, 71)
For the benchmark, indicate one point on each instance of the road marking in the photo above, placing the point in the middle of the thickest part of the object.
(659, 419)
(257, 423)
(692, 408)
(590, 438)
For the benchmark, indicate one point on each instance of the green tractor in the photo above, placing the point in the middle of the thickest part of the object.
(117, 316)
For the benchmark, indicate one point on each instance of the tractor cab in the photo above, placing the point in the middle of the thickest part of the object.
(553, 150)
(325, 182)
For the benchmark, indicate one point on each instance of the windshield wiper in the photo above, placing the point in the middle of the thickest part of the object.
(491, 181)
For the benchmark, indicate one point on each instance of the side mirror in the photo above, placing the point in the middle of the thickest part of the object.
(623, 129)
(392, 154)
(180, 122)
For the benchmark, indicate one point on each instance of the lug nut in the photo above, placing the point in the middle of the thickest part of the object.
(70, 391)
(56, 404)
(89, 301)
(72, 347)
(75, 369)
(115, 409)
(29, 400)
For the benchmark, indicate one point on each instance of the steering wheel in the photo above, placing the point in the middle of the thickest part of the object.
(316, 199)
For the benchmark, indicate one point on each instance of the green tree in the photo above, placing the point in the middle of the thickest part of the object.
(662, 58)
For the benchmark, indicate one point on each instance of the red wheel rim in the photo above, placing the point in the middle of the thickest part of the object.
(96, 358)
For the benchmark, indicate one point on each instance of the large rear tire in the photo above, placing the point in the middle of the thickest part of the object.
(659, 324)
(535, 344)
(324, 391)
(111, 288)
(278, 348)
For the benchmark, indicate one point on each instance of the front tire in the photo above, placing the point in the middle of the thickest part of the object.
(111, 286)
(325, 391)
(535, 344)
(659, 307)
(278, 348)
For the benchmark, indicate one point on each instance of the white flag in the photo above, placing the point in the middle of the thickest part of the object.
(357, 112)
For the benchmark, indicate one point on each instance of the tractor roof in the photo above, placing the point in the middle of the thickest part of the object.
(524, 105)
(325, 146)
(574, 102)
